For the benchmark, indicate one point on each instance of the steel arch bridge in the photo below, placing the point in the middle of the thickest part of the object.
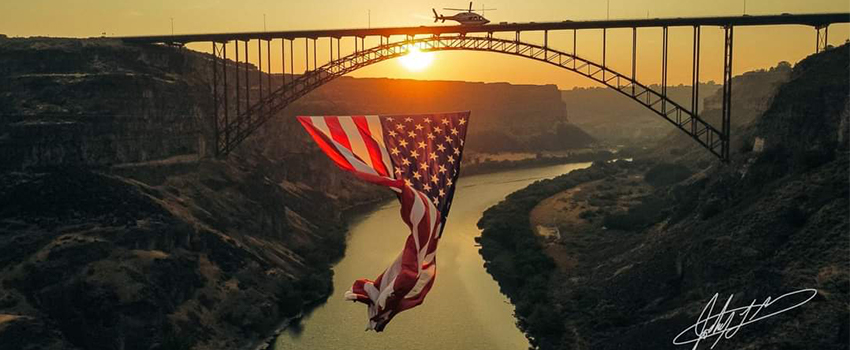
(234, 131)
(237, 117)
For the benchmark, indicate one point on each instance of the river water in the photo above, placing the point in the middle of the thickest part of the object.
(464, 309)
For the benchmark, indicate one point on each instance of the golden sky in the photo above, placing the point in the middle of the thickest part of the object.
(755, 47)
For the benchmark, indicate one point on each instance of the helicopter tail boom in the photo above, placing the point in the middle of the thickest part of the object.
(438, 17)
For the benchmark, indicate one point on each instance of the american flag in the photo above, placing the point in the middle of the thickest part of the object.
(418, 157)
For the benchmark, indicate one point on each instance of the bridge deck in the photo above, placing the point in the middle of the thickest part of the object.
(784, 19)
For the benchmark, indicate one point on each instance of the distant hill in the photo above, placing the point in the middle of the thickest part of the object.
(506, 117)
(612, 117)
(752, 94)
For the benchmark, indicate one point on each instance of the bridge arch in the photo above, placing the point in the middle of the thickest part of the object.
(259, 112)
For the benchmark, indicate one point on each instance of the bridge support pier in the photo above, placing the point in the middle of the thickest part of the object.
(664, 70)
(604, 51)
(634, 57)
(821, 37)
(269, 65)
(292, 58)
(283, 62)
(260, 72)
(220, 109)
(238, 102)
(240, 124)
(727, 91)
(695, 81)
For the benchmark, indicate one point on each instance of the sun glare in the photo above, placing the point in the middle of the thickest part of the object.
(416, 60)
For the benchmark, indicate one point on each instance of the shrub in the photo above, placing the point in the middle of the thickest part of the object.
(666, 174)
(649, 211)
(710, 209)
(795, 217)
(587, 214)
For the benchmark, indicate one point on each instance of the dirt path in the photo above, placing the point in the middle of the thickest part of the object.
(571, 222)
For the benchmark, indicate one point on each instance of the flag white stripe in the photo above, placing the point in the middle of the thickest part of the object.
(425, 276)
(319, 123)
(416, 214)
(433, 218)
(377, 132)
(391, 272)
(424, 245)
(358, 146)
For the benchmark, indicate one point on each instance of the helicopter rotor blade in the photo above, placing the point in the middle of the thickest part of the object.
(470, 6)
(446, 8)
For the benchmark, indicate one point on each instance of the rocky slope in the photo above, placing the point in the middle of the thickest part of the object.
(642, 250)
(616, 119)
(517, 118)
(117, 233)
(752, 93)
(161, 250)
(95, 261)
(97, 102)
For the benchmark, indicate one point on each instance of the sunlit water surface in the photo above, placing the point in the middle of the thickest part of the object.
(464, 310)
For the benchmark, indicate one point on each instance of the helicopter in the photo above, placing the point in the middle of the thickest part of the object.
(466, 17)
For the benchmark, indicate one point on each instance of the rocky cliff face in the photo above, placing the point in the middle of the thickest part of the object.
(98, 102)
(205, 261)
(642, 252)
(506, 117)
(752, 93)
(161, 250)
(614, 118)
(117, 233)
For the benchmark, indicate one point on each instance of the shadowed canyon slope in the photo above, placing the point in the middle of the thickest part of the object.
(641, 247)
(614, 118)
(114, 234)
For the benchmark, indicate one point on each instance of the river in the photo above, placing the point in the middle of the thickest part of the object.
(464, 310)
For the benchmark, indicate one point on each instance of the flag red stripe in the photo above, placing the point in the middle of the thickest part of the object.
(410, 256)
(337, 132)
(408, 303)
(371, 145)
(325, 145)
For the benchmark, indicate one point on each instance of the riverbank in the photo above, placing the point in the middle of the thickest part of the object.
(489, 165)
(635, 250)
(352, 214)
(516, 257)
(465, 307)
(349, 213)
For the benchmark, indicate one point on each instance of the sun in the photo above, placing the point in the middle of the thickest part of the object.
(416, 60)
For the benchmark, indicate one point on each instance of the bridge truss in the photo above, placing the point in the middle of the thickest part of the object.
(244, 97)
